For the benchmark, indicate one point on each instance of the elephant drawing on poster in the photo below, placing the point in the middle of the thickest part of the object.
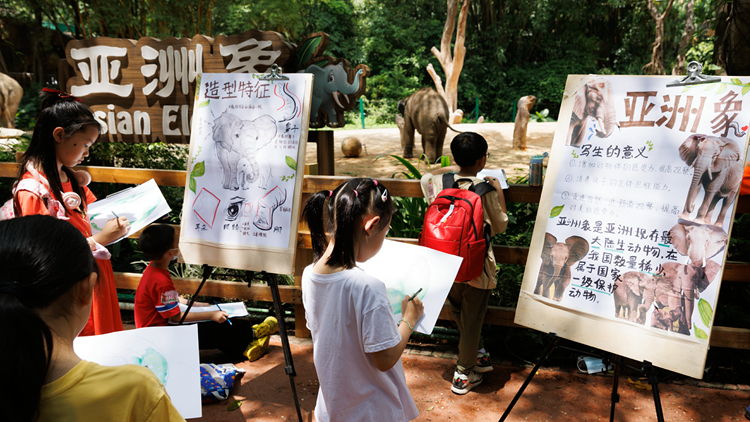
(427, 112)
(238, 139)
(628, 294)
(246, 177)
(557, 258)
(688, 281)
(594, 101)
(10, 97)
(330, 86)
(718, 169)
(697, 241)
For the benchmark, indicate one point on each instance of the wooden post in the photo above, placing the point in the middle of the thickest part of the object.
(324, 139)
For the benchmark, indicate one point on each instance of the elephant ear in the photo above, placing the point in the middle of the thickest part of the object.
(632, 280)
(730, 154)
(689, 148)
(266, 126)
(718, 240)
(708, 273)
(608, 102)
(223, 128)
(677, 236)
(549, 242)
(578, 247)
(579, 105)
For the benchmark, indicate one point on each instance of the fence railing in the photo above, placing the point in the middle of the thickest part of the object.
(738, 338)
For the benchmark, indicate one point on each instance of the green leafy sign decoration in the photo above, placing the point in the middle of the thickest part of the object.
(198, 171)
(556, 211)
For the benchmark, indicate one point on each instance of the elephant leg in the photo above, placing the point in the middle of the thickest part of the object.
(429, 142)
(331, 112)
(407, 138)
(439, 142)
(689, 306)
(728, 201)
(700, 216)
(539, 283)
(711, 207)
(560, 286)
(224, 161)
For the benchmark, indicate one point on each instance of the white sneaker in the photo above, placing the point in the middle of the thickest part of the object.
(483, 363)
(463, 383)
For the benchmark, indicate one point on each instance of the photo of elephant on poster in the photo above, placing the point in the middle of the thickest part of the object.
(426, 112)
(557, 258)
(717, 169)
(699, 242)
(237, 142)
(594, 108)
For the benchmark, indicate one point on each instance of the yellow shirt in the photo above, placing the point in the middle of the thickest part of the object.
(493, 215)
(91, 392)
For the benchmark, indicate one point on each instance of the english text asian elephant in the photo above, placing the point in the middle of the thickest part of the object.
(594, 100)
(330, 86)
(10, 97)
(718, 169)
(557, 258)
(237, 139)
(427, 112)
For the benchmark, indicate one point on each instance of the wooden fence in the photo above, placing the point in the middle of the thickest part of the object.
(738, 338)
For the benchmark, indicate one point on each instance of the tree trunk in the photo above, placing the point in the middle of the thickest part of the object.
(687, 35)
(656, 66)
(732, 45)
(451, 65)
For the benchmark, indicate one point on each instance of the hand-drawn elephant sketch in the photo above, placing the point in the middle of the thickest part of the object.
(245, 175)
(698, 242)
(718, 169)
(330, 84)
(10, 97)
(427, 112)
(237, 139)
(594, 100)
(557, 258)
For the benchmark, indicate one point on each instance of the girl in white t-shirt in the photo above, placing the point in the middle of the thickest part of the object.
(357, 342)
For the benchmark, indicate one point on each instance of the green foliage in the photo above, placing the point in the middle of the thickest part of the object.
(541, 116)
(29, 108)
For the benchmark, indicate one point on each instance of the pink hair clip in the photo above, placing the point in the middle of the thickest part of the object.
(374, 182)
(330, 193)
(356, 193)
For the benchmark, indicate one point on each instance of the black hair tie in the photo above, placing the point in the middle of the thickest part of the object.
(11, 288)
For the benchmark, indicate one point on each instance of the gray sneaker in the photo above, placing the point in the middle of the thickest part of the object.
(483, 363)
(463, 383)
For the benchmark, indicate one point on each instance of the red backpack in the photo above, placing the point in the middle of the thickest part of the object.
(454, 224)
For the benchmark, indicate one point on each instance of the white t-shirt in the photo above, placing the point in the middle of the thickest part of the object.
(350, 316)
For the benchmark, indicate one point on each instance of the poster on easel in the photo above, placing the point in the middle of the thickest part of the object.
(632, 230)
(244, 177)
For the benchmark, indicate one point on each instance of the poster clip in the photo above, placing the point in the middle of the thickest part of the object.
(694, 76)
(274, 74)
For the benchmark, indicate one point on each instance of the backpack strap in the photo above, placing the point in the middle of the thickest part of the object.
(480, 188)
(448, 182)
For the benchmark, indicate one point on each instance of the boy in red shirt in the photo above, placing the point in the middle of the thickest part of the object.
(157, 304)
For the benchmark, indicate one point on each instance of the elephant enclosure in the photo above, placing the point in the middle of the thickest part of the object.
(379, 142)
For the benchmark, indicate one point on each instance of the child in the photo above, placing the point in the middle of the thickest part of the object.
(46, 286)
(47, 185)
(156, 303)
(357, 345)
(468, 300)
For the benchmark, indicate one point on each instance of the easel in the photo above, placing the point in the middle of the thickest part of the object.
(271, 281)
(647, 369)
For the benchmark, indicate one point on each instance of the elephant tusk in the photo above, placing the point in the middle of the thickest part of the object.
(336, 98)
(704, 261)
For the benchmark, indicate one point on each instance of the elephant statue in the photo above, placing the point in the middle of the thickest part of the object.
(10, 97)
(330, 85)
(557, 258)
(427, 112)
(594, 101)
(698, 242)
(237, 139)
(688, 281)
(717, 167)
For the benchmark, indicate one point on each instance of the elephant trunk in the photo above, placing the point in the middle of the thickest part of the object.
(349, 89)
(695, 186)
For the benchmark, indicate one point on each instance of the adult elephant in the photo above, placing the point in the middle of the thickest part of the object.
(628, 294)
(330, 86)
(717, 168)
(594, 101)
(698, 242)
(557, 258)
(237, 139)
(427, 112)
(688, 281)
(10, 97)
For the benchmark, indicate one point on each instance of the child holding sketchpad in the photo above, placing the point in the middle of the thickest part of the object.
(468, 298)
(157, 304)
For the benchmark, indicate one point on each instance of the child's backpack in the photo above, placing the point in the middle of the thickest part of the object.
(217, 381)
(8, 211)
(454, 224)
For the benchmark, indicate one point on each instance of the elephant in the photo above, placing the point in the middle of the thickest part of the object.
(245, 175)
(427, 112)
(594, 100)
(10, 97)
(717, 167)
(688, 281)
(557, 258)
(522, 121)
(331, 81)
(237, 139)
(698, 242)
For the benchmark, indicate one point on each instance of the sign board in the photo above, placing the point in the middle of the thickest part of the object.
(244, 178)
(630, 237)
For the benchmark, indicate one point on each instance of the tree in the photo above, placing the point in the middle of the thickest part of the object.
(656, 66)
(687, 35)
(732, 45)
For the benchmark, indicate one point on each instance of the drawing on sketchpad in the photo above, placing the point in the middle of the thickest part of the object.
(205, 206)
(290, 108)
(238, 139)
(267, 206)
(409, 280)
(233, 210)
(247, 176)
(142, 211)
(156, 362)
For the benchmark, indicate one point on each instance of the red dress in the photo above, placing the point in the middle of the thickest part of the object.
(105, 310)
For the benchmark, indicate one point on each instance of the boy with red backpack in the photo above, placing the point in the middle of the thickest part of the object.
(468, 297)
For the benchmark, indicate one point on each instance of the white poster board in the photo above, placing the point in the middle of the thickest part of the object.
(171, 353)
(244, 178)
(626, 256)
(406, 268)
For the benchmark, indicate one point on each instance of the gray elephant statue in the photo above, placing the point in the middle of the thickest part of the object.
(10, 97)
(594, 100)
(718, 169)
(698, 242)
(331, 85)
(557, 258)
(688, 281)
(427, 112)
(237, 139)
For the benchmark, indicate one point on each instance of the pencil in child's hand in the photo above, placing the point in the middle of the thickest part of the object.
(228, 320)
(415, 294)
(117, 219)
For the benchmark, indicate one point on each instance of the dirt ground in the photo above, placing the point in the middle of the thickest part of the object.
(379, 142)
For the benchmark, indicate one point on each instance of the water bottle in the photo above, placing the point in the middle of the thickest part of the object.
(536, 167)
